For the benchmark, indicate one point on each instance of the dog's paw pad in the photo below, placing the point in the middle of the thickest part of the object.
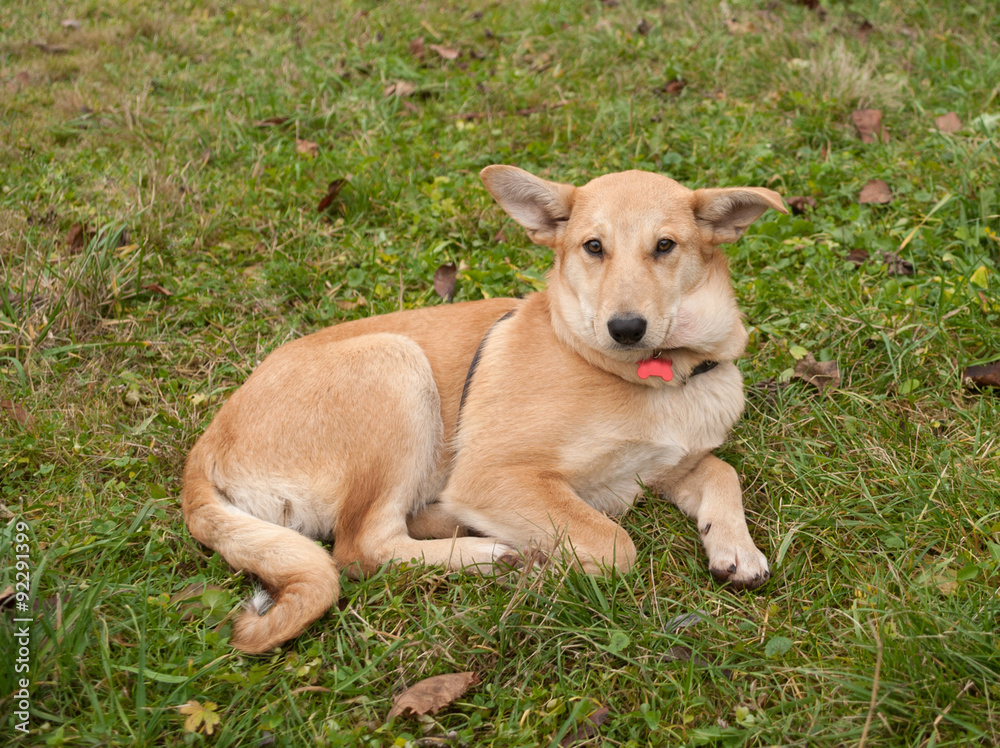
(740, 573)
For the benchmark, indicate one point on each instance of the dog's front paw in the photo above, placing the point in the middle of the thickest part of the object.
(743, 567)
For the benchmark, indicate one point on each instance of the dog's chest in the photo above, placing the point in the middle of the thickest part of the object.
(607, 460)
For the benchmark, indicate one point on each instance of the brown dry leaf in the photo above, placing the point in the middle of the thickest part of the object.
(307, 148)
(644, 27)
(19, 81)
(78, 236)
(800, 203)
(589, 728)
(417, 48)
(868, 123)
(875, 191)
(431, 695)
(444, 280)
(446, 53)
(858, 256)
(18, 413)
(986, 375)
(820, 374)
(896, 265)
(399, 88)
(270, 122)
(332, 191)
(156, 288)
(672, 87)
(948, 122)
(7, 596)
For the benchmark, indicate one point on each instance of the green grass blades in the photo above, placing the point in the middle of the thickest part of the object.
(161, 170)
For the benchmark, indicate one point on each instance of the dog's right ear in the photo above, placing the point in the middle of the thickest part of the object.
(542, 207)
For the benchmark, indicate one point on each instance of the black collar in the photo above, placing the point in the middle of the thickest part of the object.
(702, 368)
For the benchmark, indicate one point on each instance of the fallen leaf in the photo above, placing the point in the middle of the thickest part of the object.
(200, 718)
(896, 265)
(193, 590)
(868, 123)
(307, 148)
(348, 304)
(431, 695)
(7, 596)
(19, 81)
(18, 413)
(399, 88)
(685, 620)
(78, 236)
(986, 375)
(331, 194)
(681, 653)
(672, 87)
(644, 27)
(864, 29)
(417, 48)
(446, 53)
(71, 23)
(948, 122)
(820, 374)
(270, 122)
(858, 256)
(589, 727)
(875, 191)
(444, 280)
(156, 288)
(800, 203)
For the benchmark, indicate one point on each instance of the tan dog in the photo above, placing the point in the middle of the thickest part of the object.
(527, 421)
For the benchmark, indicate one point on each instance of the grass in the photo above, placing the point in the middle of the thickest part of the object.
(878, 503)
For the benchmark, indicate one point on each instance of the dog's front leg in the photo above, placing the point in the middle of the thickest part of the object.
(540, 510)
(710, 494)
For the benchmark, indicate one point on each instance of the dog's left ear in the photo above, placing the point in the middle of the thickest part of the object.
(726, 212)
(542, 207)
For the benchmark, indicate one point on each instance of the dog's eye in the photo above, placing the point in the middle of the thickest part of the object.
(593, 247)
(665, 246)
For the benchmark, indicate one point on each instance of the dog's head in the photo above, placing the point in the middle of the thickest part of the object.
(637, 267)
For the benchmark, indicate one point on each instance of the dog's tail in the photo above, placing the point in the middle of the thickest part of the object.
(300, 575)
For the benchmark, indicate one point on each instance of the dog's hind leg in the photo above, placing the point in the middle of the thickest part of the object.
(394, 466)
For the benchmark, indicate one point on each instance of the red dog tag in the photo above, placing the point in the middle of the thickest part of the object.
(656, 367)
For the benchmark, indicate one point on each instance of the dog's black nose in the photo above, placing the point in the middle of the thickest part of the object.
(627, 330)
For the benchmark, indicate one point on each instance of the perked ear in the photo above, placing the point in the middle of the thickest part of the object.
(726, 212)
(542, 207)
